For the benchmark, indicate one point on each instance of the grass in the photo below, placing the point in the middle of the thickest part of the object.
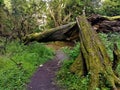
(20, 62)
(73, 82)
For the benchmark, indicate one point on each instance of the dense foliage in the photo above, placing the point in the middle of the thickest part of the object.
(21, 17)
(28, 16)
(110, 8)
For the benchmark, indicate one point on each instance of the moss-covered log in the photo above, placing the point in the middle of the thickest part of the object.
(94, 58)
(62, 33)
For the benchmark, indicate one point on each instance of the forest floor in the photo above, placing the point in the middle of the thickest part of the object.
(44, 77)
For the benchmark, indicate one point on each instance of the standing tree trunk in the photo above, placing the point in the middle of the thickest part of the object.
(93, 59)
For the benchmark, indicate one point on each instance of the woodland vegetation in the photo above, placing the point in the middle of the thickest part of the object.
(93, 26)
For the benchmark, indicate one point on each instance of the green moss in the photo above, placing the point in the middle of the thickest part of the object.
(77, 66)
(14, 77)
(73, 81)
(112, 18)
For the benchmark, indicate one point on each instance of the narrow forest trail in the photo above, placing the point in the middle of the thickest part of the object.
(44, 77)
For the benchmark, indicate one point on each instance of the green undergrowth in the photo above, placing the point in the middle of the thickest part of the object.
(109, 40)
(73, 82)
(73, 53)
(20, 62)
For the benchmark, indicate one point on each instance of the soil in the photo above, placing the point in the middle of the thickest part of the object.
(60, 44)
(44, 77)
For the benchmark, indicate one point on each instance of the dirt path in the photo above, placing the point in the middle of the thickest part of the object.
(44, 77)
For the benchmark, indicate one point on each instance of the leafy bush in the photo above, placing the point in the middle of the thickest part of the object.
(19, 63)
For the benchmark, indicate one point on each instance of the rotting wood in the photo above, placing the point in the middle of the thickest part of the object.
(55, 34)
(97, 62)
(69, 31)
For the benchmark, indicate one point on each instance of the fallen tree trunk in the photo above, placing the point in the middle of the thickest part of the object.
(62, 33)
(70, 32)
(93, 59)
(104, 23)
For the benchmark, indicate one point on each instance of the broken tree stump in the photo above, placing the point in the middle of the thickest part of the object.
(95, 59)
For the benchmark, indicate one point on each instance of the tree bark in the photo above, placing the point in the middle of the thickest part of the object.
(104, 23)
(61, 33)
(94, 58)
(116, 59)
(70, 32)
